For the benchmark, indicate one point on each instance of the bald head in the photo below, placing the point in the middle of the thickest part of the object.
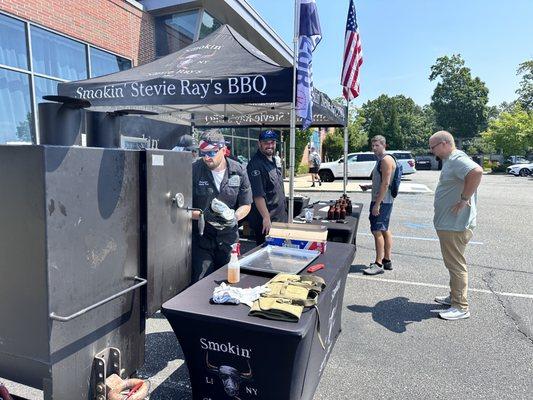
(442, 144)
(443, 136)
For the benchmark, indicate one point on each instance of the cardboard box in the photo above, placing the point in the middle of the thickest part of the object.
(309, 237)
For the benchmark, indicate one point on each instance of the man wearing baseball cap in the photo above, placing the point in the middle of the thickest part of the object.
(222, 190)
(267, 187)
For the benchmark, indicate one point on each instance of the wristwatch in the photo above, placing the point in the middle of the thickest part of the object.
(464, 198)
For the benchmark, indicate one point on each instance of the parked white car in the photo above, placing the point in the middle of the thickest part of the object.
(361, 165)
(520, 169)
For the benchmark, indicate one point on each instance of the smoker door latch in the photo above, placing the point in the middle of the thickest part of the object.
(106, 363)
(178, 200)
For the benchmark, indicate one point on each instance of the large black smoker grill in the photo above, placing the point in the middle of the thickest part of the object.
(92, 241)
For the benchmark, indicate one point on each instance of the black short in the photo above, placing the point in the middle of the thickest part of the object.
(313, 170)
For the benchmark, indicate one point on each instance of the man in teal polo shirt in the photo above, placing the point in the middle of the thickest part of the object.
(455, 218)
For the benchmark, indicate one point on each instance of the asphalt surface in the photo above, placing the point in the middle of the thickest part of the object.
(392, 345)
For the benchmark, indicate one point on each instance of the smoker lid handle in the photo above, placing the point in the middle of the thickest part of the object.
(60, 318)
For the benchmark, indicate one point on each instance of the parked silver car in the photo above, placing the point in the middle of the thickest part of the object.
(520, 169)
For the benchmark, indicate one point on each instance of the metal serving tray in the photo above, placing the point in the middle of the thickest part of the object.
(276, 259)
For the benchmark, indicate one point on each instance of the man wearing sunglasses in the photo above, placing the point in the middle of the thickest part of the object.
(221, 188)
(267, 187)
(455, 218)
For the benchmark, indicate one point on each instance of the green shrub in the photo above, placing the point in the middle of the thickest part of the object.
(499, 168)
(303, 169)
(487, 164)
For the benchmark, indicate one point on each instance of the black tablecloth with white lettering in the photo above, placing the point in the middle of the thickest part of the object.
(344, 231)
(231, 355)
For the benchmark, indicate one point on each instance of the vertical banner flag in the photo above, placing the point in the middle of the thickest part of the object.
(309, 37)
(353, 57)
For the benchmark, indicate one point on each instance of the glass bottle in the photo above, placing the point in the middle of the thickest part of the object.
(234, 268)
(331, 212)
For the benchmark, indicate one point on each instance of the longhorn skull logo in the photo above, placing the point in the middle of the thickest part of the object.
(231, 377)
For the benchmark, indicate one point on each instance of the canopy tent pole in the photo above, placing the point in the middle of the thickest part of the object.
(345, 166)
(292, 135)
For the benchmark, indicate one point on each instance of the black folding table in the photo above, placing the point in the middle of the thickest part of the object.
(231, 355)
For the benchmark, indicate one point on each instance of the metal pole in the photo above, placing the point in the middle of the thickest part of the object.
(345, 166)
(292, 135)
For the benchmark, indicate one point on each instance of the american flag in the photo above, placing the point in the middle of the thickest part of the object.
(353, 57)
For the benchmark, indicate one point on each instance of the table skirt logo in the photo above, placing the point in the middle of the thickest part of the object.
(228, 347)
(230, 377)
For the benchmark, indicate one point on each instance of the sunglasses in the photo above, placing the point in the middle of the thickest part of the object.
(210, 153)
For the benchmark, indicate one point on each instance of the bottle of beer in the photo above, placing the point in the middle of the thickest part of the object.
(331, 212)
(337, 213)
(343, 212)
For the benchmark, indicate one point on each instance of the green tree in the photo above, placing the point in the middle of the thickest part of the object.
(525, 91)
(393, 132)
(459, 100)
(415, 123)
(512, 132)
(377, 125)
(333, 145)
(301, 140)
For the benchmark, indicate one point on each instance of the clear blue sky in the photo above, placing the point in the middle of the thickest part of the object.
(402, 38)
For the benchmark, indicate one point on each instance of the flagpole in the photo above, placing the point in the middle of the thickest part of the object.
(345, 166)
(292, 135)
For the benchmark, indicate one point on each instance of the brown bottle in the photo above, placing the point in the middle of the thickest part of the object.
(331, 213)
(349, 208)
(343, 213)
(337, 214)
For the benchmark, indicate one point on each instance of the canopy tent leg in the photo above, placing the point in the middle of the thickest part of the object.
(345, 167)
(292, 135)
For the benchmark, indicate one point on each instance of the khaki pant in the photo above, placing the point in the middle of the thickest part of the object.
(453, 246)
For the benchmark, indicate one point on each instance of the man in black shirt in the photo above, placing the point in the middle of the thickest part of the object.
(222, 190)
(267, 187)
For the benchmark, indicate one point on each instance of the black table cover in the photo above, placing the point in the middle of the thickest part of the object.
(231, 355)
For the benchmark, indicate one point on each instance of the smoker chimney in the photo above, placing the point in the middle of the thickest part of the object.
(60, 123)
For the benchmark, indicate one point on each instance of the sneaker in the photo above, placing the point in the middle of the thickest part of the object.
(387, 265)
(373, 269)
(313, 185)
(446, 300)
(452, 313)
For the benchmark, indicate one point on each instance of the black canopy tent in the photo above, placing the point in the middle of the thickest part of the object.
(221, 80)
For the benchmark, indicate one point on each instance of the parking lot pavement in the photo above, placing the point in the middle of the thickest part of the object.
(303, 184)
(392, 346)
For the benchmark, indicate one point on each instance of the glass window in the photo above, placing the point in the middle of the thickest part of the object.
(16, 122)
(366, 157)
(103, 63)
(44, 87)
(254, 133)
(241, 132)
(352, 158)
(209, 25)
(57, 56)
(13, 43)
(241, 149)
(176, 31)
(403, 156)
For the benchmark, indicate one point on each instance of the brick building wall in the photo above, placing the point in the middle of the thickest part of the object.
(114, 25)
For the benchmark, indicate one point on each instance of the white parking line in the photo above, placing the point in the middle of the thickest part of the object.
(365, 278)
(417, 238)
